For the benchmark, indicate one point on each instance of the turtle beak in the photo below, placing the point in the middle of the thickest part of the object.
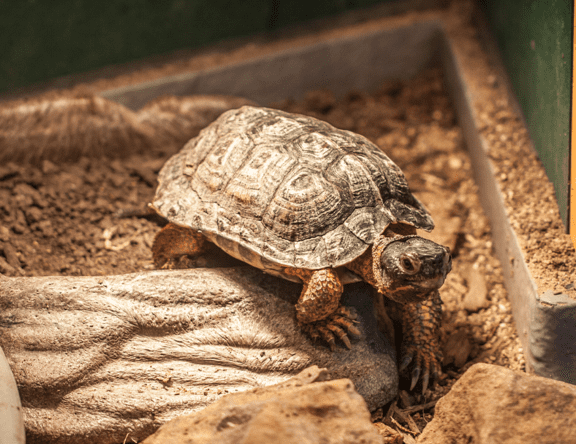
(432, 283)
(443, 263)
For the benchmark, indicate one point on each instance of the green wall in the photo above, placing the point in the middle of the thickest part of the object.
(43, 39)
(535, 38)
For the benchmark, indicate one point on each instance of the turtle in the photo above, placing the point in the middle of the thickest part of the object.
(300, 199)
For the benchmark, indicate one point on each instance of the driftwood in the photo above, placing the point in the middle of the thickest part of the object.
(96, 358)
(64, 127)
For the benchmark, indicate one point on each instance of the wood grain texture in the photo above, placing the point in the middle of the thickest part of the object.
(63, 126)
(96, 358)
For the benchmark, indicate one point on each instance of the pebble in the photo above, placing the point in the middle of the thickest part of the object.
(10, 255)
(4, 233)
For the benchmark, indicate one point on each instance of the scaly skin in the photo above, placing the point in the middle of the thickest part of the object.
(173, 242)
(420, 333)
(318, 309)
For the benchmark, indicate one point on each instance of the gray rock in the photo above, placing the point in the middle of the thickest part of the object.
(97, 358)
(492, 404)
(304, 409)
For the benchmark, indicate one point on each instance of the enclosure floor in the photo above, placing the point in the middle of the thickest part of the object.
(62, 219)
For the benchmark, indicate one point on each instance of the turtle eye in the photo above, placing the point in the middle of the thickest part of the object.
(409, 263)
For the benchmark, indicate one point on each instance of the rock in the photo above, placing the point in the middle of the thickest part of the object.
(492, 404)
(46, 228)
(33, 214)
(294, 412)
(4, 233)
(29, 194)
(48, 167)
(477, 295)
(96, 358)
(457, 348)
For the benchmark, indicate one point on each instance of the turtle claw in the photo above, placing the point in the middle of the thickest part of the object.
(331, 343)
(346, 342)
(352, 329)
(346, 313)
(425, 381)
(415, 377)
(405, 362)
(338, 325)
(424, 366)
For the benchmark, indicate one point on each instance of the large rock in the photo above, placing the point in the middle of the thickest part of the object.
(297, 411)
(98, 358)
(492, 404)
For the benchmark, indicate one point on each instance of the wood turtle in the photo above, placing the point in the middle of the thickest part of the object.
(302, 200)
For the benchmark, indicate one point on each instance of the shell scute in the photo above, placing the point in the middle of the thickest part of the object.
(342, 246)
(310, 253)
(263, 170)
(307, 205)
(367, 223)
(278, 250)
(349, 172)
(221, 163)
(316, 149)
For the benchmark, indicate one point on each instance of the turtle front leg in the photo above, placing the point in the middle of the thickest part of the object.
(173, 241)
(318, 309)
(420, 333)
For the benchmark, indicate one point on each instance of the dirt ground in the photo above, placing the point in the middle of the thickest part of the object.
(61, 218)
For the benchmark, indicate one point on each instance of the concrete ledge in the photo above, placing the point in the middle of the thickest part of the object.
(546, 323)
(359, 62)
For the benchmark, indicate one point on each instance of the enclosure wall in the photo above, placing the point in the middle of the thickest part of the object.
(535, 39)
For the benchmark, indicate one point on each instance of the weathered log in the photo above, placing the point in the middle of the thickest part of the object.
(96, 358)
(60, 126)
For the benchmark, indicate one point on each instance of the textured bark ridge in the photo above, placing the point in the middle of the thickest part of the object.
(96, 358)
(62, 126)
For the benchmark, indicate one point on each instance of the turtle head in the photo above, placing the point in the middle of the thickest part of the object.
(408, 268)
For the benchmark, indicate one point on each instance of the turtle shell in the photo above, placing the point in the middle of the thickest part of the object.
(284, 190)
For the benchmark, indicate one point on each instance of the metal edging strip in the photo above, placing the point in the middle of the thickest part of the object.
(572, 154)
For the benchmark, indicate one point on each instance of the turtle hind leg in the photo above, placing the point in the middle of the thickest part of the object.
(318, 309)
(173, 242)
